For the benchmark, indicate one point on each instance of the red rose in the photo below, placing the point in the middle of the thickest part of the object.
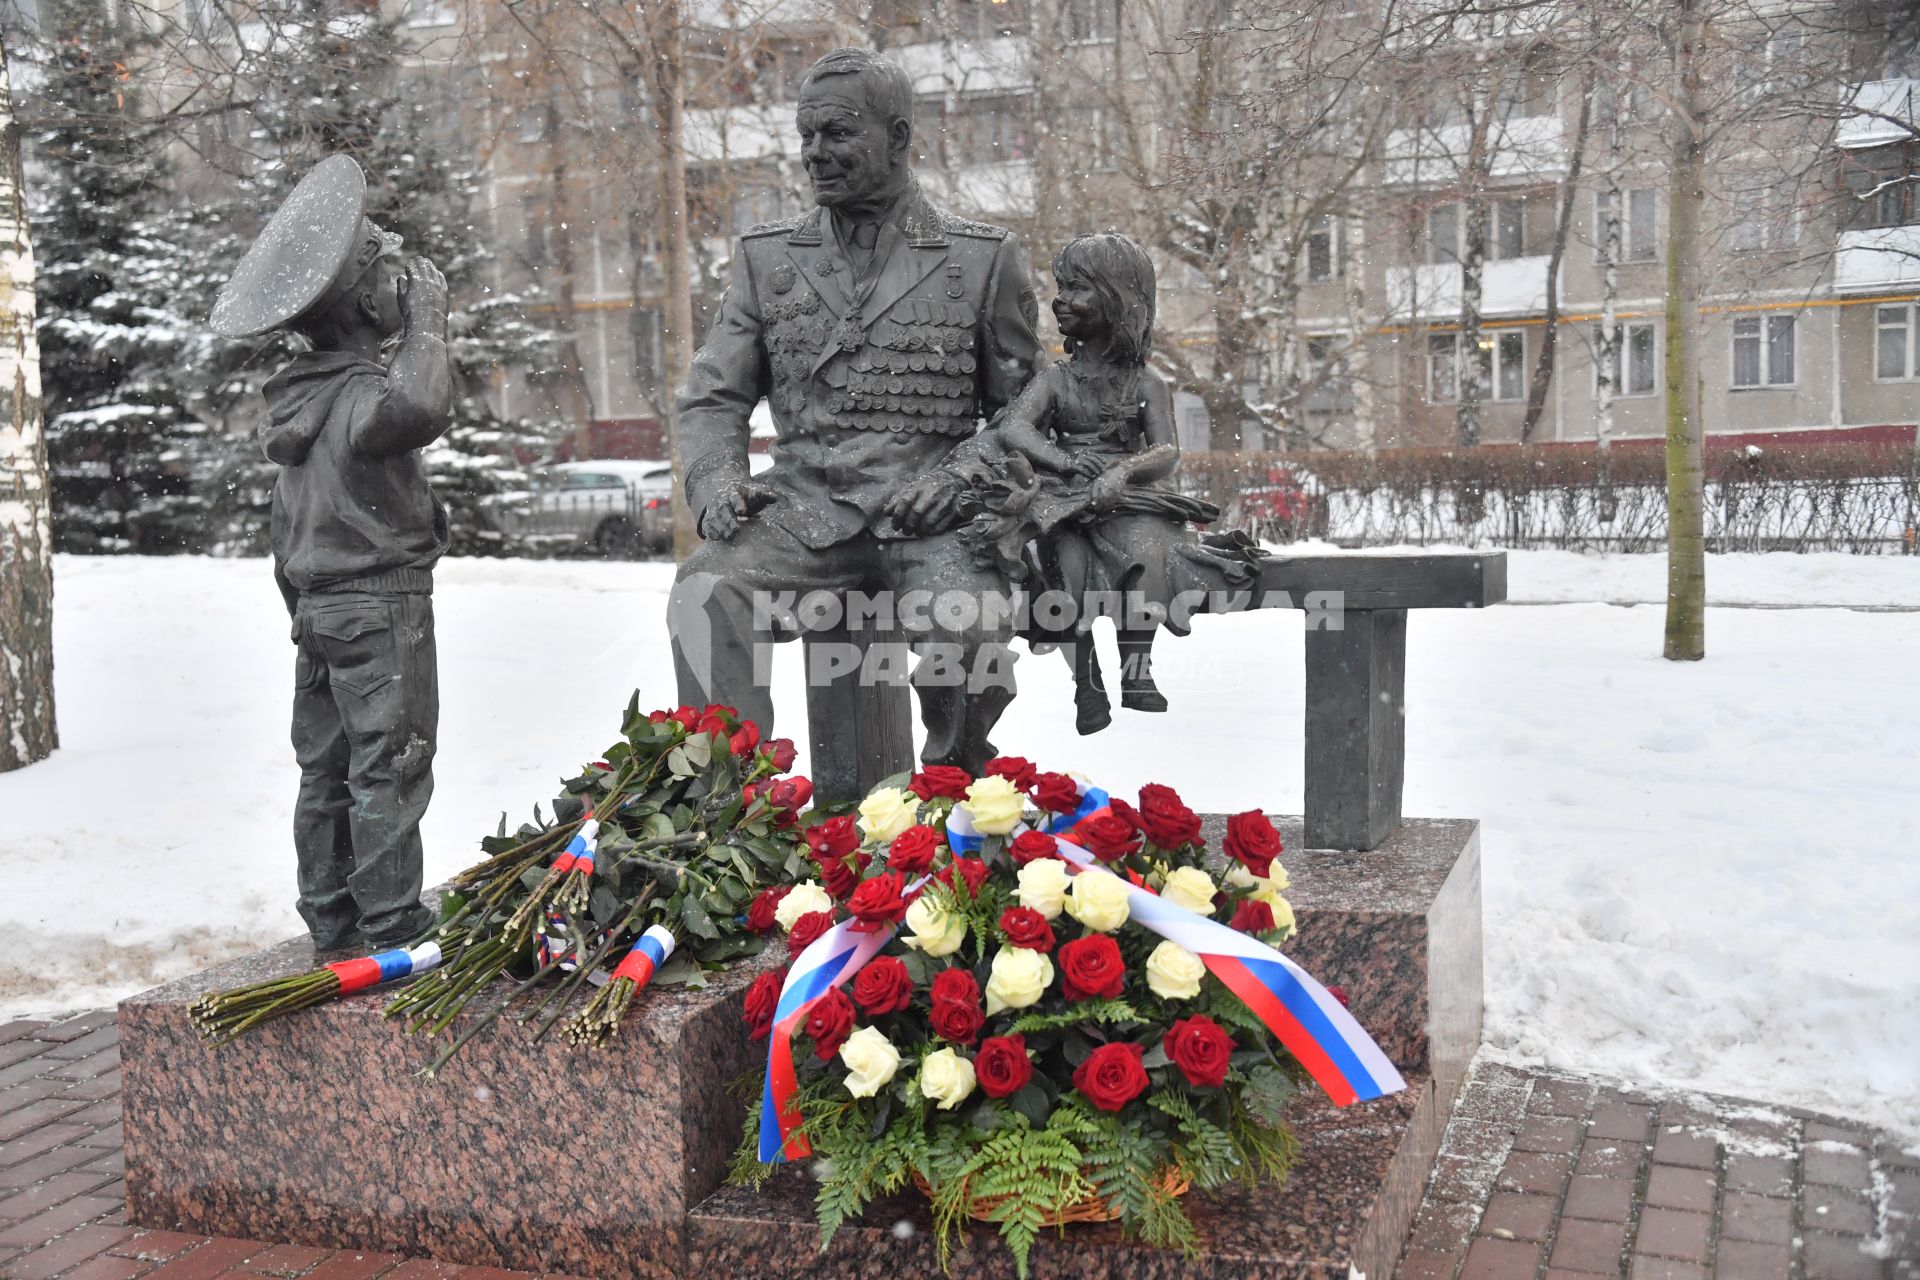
(1106, 836)
(743, 740)
(1030, 846)
(1252, 842)
(956, 1014)
(1111, 1077)
(944, 780)
(760, 914)
(1056, 791)
(829, 1023)
(841, 876)
(1091, 967)
(807, 928)
(1015, 769)
(685, 717)
(1340, 994)
(1167, 822)
(1252, 917)
(763, 997)
(972, 870)
(1002, 1067)
(884, 986)
(877, 903)
(780, 753)
(1027, 928)
(1200, 1048)
(790, 796)
(911, 852)
(834, 838)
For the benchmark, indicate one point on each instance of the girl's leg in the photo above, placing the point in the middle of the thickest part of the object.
(1137, 689)
(1092, 711)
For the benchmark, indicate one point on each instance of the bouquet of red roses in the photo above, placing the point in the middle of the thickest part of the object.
(1019, 1047)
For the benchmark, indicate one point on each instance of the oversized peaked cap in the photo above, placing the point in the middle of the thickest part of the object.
(313, 246)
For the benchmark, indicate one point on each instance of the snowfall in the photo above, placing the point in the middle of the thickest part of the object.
(1700, 876)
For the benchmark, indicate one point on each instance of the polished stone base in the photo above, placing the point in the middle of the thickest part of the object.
(534, 1156)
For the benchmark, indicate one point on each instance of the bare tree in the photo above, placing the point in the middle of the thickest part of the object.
(27, 730)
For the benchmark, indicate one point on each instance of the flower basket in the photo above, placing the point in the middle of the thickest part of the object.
(989, 999)
(1171, 1182)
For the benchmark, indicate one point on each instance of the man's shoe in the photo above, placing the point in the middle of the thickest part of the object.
(410, 928)
(1142, 695)
(339, 940)
(1092, 711)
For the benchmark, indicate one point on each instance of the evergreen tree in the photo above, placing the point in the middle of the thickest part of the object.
(117, 349)
(340, 87)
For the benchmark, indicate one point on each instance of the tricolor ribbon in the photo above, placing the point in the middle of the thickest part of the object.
(578, 855)
(647, 956)
(385, 966)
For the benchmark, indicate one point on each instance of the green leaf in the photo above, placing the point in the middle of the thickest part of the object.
(678, 764)
(658, 826)
(694, 916)
(698, 751)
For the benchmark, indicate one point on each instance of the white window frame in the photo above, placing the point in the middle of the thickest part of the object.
(1103, 21)
(1331, 228)
(1764, 327)
(1436, 344)
(1494, 208)
(1628, 237)
(1909, 328)
(1623, 359)
(1506, 341)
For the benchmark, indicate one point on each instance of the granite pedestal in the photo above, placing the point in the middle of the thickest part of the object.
(317, 1130)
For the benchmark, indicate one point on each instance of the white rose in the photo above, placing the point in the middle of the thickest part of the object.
(1174, 973)
(887, 812)
(1043, 886)
(934, 929)
(1019, 978)
(995, 804)
(1189, 887)
(871, 1061)
(945, 1078)
(1098, 901)
(1240, 878)
(802, 899)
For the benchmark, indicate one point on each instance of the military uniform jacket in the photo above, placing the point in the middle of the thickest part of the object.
(871, 383)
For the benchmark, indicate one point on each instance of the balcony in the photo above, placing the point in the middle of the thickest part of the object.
(1877, 258)
(1884, 111)
(1431, 291)
(1525, 149)
(1000, 65)
(729, 134)
(990, 191)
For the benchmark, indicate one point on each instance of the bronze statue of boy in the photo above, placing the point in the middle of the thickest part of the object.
(356, 532)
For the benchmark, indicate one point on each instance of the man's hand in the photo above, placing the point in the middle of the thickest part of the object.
(928, 505)
(425, 298)
(731, 507)
(1110, 486)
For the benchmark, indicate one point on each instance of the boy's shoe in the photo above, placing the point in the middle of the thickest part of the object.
(1142, 695)
(1092, 711)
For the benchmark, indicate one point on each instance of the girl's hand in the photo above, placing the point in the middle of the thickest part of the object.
(1087, 465)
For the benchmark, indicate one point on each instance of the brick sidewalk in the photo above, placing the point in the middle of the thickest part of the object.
(1541, 1177)
(1553, 1177)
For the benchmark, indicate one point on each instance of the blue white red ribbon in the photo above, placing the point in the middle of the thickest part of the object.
(578, 855)
(385, 966)
(648, 954)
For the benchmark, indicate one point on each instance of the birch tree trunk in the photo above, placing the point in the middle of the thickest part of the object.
(1475, 363)
(27, 731)
(1686, 474)
(1543, 366)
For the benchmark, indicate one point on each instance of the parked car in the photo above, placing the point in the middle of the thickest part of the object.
(612, 506)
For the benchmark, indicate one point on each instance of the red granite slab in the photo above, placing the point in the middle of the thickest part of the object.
(533, 1156)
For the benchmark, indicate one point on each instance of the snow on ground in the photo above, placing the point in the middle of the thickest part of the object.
(1696, 876)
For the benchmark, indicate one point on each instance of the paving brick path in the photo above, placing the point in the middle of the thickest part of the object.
(1555, 1177)
(1541, 1177)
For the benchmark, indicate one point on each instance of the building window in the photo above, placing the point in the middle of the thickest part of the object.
(1443, 233)
(1763, 351)
(534, 122)
(1894, 336)
(1510, 365)
(1443, 367)
(1767, 216)
(430, 13)
(1634, 359)
(1093, 21)
(533, 209)
(1620, 103)
(1092, 130)
(1507, 229)
(1323, 249)
(1879, 183)
(993, 130)
(1638, 229)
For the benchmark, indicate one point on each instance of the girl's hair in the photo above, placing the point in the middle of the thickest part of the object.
(1122, 278)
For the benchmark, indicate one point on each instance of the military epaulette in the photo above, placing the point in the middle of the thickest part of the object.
(958, 226)
(783, 227)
